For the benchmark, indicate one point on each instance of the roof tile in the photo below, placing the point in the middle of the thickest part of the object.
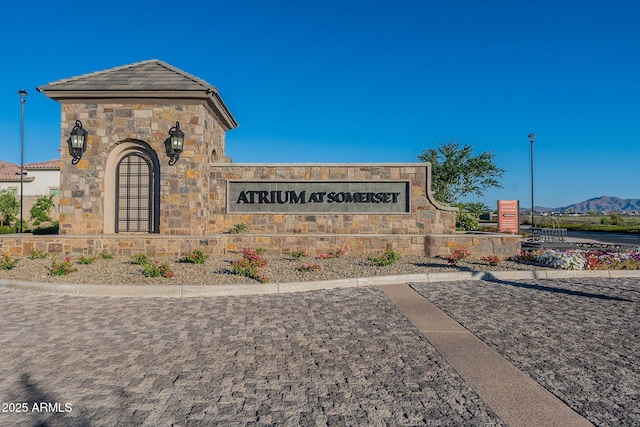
(151, 75)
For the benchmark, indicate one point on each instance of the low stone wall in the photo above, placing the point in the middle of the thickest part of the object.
(478, 244)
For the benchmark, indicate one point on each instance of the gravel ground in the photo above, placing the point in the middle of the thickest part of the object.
(578, 338)
(120, 270)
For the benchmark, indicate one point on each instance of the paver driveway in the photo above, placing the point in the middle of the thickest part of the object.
(332, 357)
(335, 357)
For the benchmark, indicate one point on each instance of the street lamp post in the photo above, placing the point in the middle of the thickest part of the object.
(22, 94)
(532, 136)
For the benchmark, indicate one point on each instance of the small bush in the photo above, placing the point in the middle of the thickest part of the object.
(387, 258)
(298, 255)
(7, 262)
(61, 268)
(467, 221)
(35, 254)
(249, 266)
(106, 255)
(309, 267)
(491, 259)
(156, 269)
(86, 260)
(336, 254)
(40, 210)
(195, 257)
(238, 228)
(140, 259)
(8, 230)
(458, 254)
(52, 229)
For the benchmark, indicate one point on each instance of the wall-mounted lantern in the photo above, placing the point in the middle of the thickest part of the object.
(77, 142)
(174, 144)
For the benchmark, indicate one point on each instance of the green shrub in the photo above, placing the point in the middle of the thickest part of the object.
(106, 255)
(249, 266)
(8, 230)
(9, 208)
(298, 255)
(86, 260)
(195, 257)
(458, 254)
(35, 254)
(140, 259)
(7, 262)
(156, 269)
(309, 267)
(52, 229)
(387, 258)
(466, 221)
(238, 228)
(61, 268)
(40, 210)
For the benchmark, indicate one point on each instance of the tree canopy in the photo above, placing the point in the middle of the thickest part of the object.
(456, 173)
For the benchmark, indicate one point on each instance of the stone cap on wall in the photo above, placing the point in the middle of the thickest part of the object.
(151, 79)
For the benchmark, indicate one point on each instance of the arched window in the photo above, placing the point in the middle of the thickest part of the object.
(137, 198)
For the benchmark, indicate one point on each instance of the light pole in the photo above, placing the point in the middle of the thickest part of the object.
(532, 136)
(22, 94)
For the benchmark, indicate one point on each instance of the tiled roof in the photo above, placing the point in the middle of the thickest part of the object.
(51, 164)
(151, 75)
(10, 172)
(145, 79)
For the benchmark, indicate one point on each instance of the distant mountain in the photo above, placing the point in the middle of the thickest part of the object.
(603, 204)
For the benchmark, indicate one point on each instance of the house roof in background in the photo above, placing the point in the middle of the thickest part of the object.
(48, 165)
(10, 172)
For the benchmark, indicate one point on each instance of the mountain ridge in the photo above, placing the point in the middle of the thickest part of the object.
(602, 204)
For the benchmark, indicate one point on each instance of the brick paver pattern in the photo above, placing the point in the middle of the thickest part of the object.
(334, 357)
(578, 338)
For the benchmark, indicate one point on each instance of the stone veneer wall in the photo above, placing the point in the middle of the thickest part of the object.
(478, 244)
(184, 187)
(425, 217)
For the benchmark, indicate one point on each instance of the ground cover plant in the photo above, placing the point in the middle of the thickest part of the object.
(8, 262)
(61, 268)
(334, 254)
(584, 259)
(140, 259)
(36, 254)
(387, 258)
(298, 255)
(307, 266)
(238, 228)
(86, 260)
(458, 255)
(154, 268)
(491, 259)
(249, 266)
(195, 257)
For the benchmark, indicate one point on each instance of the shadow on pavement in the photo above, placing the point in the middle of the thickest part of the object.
(44, 409)
(557, 290)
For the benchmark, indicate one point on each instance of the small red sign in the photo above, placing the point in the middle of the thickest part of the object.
(508, 216)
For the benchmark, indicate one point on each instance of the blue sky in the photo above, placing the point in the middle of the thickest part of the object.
(367, 81)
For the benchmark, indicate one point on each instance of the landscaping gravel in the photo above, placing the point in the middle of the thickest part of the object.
(217, 270)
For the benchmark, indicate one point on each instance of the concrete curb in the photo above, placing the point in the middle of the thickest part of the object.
(189, 291)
